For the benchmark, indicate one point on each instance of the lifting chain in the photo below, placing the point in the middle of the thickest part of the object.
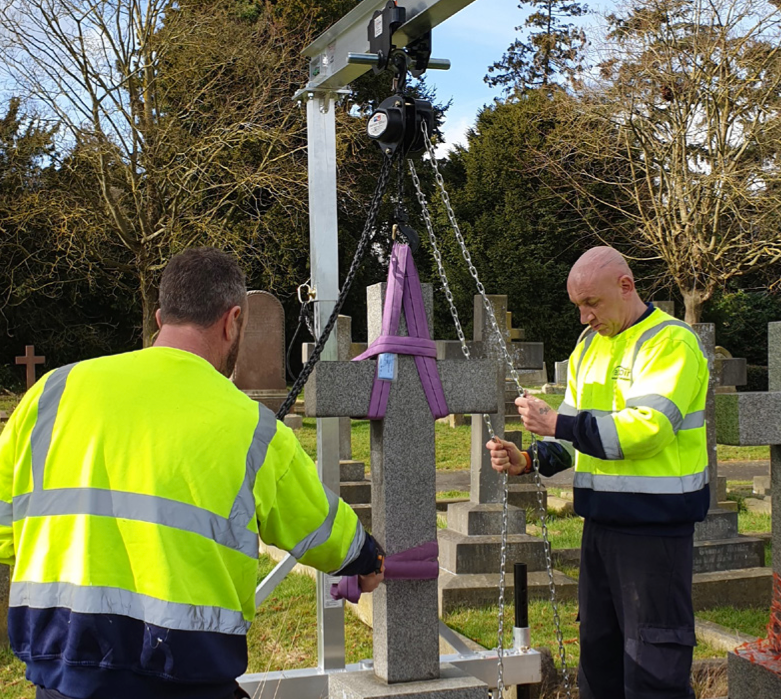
(486, 418)
(367, 236)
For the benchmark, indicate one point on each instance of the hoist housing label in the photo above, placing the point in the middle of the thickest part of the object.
(377, 124)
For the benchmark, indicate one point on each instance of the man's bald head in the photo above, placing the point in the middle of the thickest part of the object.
(602, 286)
(600, 262)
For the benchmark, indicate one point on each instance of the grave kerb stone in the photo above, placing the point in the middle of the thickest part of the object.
(406, 638)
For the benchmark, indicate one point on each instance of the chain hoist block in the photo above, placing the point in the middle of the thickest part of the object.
(397, 124)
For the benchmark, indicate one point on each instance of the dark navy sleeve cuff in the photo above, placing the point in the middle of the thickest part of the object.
(582, 430)
(365, 563)
(554, 458)
(565, 427)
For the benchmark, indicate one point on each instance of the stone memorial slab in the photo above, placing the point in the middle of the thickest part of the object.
(260, 368)
(406, 636)
(666, 306)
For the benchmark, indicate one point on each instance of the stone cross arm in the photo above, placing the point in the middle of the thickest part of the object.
(338, 389)
(748, 419)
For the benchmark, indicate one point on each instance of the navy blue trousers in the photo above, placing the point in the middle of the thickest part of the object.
(636, 615)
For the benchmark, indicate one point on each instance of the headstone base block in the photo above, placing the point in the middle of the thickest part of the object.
(452, 684)
(753, 674)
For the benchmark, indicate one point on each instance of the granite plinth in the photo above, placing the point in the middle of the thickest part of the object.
(729, 554)
(749, 587)
(483, 589)
(527, 355)
(272, 399)
(336, 388)
(356, 492)
(451, 684)
(462, 554)
(753, 674)
(524, 496)
(350, 470)
(732, 371)
(718, 525)
(364, 512)
(294, 422)
(774, 356)
(473, 518)
(748, 419)
(761, 485)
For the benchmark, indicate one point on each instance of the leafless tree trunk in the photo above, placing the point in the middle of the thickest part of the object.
(685, 118)
(185, 117)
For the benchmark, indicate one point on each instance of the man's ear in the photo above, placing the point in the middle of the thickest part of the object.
(159, 318)
(233, 323)
(627, 284)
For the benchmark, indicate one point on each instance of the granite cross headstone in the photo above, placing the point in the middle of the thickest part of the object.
(260, 369)
(406, 643)
(30, 360)
(753, 419)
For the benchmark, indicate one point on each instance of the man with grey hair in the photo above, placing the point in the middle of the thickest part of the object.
(133, 491)
(633, 425)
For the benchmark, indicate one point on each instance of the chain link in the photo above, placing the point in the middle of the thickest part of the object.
(516, 379)
(367, 236)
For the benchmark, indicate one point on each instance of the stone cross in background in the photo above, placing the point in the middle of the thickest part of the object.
(260, 369)
(753, 419)
(30, 360)
(470, 546)
(403, 457)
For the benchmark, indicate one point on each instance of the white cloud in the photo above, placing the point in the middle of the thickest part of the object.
(454, 129)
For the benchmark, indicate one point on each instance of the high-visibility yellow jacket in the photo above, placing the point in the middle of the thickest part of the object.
(641, 394)
(133, 489)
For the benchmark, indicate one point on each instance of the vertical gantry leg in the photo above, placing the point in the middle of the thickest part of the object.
(323, 226)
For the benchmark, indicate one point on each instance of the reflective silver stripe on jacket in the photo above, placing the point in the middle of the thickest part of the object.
(590, 335)
(232, 532)
(6, 514)
(663, 485)
(662, 405)
(323, 532)
(140, 508)
(48, 406)
(243, 510)
(608, 433)
(652, 332)
(355, 546)
(113, 600)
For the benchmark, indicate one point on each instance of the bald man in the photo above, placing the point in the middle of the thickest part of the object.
(633, 425)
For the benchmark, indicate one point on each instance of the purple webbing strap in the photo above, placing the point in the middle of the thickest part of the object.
(404, 291)
(419, 563)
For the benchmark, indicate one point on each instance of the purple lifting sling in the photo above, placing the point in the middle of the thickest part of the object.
(404, 289)
(419, 563)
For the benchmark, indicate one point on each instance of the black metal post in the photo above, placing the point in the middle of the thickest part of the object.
(521, 596)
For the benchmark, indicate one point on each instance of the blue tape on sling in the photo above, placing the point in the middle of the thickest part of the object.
(386, 367)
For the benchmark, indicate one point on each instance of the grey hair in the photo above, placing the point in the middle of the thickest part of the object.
(199, 285)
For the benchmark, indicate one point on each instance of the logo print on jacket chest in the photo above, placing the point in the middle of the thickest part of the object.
(621, 374)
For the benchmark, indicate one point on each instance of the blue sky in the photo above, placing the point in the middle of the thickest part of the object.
(473, 39)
